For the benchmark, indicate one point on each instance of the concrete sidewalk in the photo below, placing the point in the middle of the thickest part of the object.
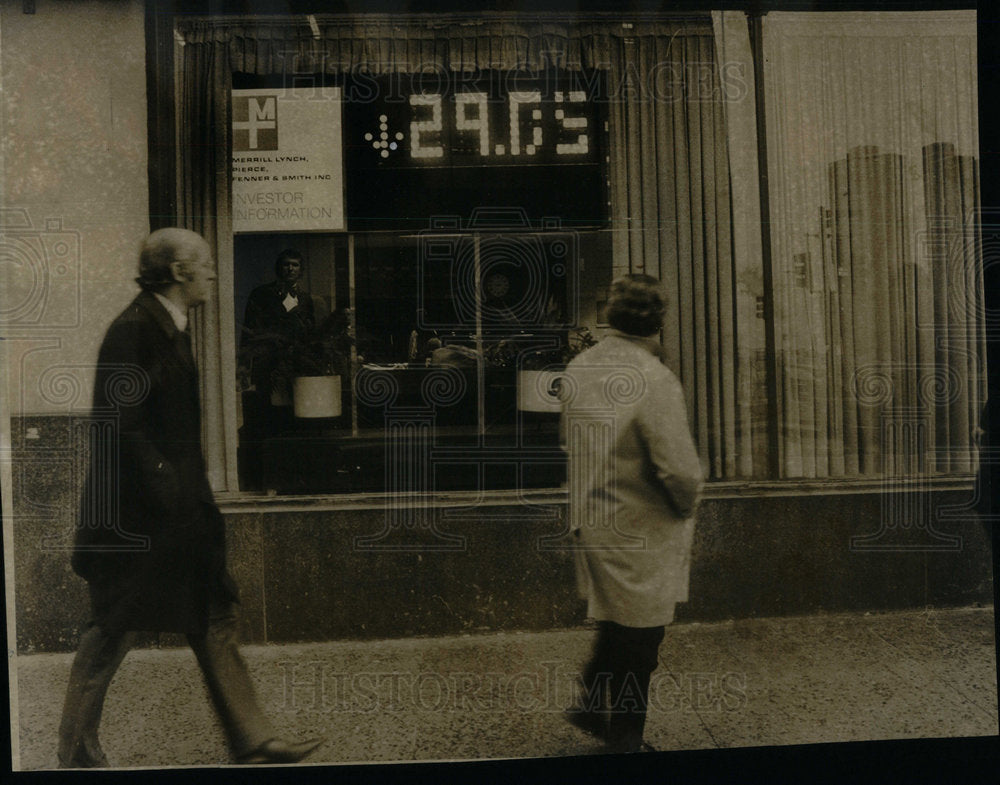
(778, 681)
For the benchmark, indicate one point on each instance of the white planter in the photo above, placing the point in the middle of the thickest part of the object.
(538, 391)
(317, 396)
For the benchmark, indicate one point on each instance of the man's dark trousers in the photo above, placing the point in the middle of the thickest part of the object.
(224, 670)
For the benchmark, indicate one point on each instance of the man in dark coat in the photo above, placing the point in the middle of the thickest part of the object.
(150, 541)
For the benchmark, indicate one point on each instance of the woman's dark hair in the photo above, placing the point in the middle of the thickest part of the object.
(635, 304)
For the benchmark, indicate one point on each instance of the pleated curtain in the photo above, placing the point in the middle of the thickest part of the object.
(672, 217)
(203, 81)
(876, 265)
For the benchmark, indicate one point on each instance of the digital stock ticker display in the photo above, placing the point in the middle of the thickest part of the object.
(416, 147)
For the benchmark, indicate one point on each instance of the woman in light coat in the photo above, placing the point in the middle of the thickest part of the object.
(634, 478)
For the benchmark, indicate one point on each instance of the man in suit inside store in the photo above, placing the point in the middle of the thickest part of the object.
(152, 549)
(283, 300)
(280, 316)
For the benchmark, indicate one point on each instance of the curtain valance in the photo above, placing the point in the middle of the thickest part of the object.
(414, 44)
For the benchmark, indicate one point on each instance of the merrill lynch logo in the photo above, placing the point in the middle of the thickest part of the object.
(255, 123)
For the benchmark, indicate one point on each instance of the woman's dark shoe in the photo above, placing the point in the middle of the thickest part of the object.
(629, 746)
(587, 720)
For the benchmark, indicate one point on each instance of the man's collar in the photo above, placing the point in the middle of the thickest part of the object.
(179, 317)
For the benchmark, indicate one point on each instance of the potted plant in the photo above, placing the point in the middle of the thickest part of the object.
(304, 366)
(317, 363)
(314, 385)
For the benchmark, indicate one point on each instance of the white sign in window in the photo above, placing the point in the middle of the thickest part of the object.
(287, 163)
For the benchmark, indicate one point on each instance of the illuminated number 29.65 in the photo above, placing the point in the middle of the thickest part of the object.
(582, 143)
(481, 122)
(472, 116)
(417, 127)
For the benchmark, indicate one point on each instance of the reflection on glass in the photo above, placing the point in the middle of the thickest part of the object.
(430, 327)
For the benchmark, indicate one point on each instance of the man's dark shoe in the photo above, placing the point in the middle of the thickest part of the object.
(279, 751)
(87, 756)
(86, 763)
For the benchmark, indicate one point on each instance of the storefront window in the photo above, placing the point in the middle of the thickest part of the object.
(877, 279)
(483, 181)
(447, 347)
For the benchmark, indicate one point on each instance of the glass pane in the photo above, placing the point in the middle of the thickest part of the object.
(292, 323)
(448, 360)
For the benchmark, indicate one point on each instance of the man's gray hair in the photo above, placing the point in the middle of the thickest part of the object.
(160, 250)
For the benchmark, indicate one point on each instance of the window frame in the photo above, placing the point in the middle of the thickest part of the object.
(165, 113)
